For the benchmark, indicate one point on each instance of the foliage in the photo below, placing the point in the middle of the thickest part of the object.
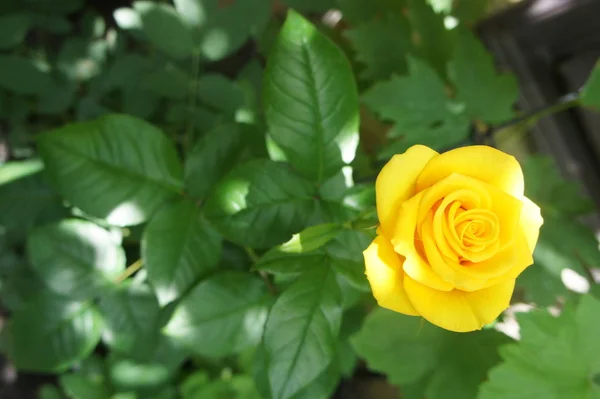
(179, 216)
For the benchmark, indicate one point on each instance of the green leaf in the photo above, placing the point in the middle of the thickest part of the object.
(359, 11)
(129, 375)
(542, 288)
(168, 81)
(433, 42)
(470, 11)
(48, 391)
(556, 357)
(317, 6)
(58, 98)
(81, 59)
(547, 188)
(20, 286)
(165, 29)
(237, 387)
(453, 364)
(13, 28)
(78, 386)
(126, 168)
(590, 94)
(54, 6)
(260, 204)
(132, 317)
(76, 258)
(25, 196)
(52, 333)
(566, 246)
(195, 13)
(215, 154)
(325, 245)
(227, 28)
(220, 93)
(473, 72)
(178, 248)
(309, 239)
(420, 108)
(301, 332)
(381, 46)
(311, 100)
(23, 75)
(222, 315)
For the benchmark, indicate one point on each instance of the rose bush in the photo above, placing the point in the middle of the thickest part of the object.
(455, 232)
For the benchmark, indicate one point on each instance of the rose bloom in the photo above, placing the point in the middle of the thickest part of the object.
(455, 232)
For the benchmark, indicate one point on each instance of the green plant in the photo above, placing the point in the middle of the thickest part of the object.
(168, 230)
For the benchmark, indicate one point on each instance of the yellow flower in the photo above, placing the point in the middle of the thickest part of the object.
(455, 232)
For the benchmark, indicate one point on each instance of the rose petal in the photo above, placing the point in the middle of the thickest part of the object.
(531, 221)
(403, 241)
(396, 183)
(386, 277)
(480, 162)
(457, 310)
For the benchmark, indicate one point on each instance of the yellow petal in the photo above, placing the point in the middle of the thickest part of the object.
(457, 310)
(396, 183)
(448, 269)
(480, 162)
(531, 221)
(385, 275)
(403, 241)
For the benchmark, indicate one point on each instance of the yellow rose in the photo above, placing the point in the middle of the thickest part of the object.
(455, 231)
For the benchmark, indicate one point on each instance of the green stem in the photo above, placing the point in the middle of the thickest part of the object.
(264, 276)
(134, 267)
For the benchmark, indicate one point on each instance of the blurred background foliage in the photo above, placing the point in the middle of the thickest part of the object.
(99, 302)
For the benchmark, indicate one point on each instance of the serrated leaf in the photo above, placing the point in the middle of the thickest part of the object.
(13, 28)
(165, 29)
(52, 333)
(260, 204)
(132, 314)
(76, 258)
(420, 108)
(590, 94)
(178, 248)
(555, 358)
(126, 168)
(222, 315)
(327, 245)
(381, 46)
(311, 100)
(432, 41)
(473, 72)
(301, 332)
(22, 75)
(453, 365)
(215, 154)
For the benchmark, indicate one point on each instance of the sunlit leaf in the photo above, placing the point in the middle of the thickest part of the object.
(178, 248)
(75, 257)
(555, 358)
(221, 316)
(126, 168)
(260, 204)
(311, 101)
